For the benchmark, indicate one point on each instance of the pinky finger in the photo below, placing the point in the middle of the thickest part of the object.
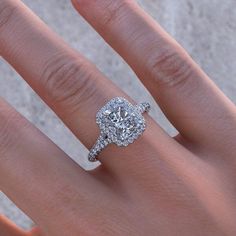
(8, 228)
(35, 232)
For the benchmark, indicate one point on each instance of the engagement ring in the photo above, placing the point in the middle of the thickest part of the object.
(120, 123)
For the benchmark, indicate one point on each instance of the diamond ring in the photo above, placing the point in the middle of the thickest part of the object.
(120, 123)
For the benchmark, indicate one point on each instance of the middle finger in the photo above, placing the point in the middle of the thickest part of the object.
(71, 85)
(189, 99)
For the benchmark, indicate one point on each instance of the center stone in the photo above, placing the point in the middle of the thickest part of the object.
(123, 122)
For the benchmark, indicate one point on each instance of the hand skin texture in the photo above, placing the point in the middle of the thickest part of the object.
(159, 185)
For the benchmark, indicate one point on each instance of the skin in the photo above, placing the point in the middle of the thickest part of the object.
(159, 185)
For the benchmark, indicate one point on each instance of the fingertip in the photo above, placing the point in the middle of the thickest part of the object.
(34, 232)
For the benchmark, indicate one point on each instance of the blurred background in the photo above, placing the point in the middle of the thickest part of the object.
(207, 29)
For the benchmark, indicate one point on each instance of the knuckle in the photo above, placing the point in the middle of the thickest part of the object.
(7, 12)
(170, 67)
(67, 81)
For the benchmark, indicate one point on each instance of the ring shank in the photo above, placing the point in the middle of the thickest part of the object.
(143, 107)
(99, 145)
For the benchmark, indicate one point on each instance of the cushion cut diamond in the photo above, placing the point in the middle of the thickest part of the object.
(123, 122)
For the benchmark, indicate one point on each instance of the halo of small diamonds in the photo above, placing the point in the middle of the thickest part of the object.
(120, 122)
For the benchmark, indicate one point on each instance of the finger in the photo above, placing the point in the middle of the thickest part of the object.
(35, 232)
(8, 228)
(40, 178)
(67, 82)
(196, 107)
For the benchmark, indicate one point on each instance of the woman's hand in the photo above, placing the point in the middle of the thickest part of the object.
(158, 185)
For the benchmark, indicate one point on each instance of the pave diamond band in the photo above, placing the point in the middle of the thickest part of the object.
(120, 123)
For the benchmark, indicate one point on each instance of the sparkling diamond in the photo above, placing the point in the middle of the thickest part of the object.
(107, 112)
(119, 143)
(114, 139)
(130, 140)
(126, 143)
(121, 121)
(105, 142)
